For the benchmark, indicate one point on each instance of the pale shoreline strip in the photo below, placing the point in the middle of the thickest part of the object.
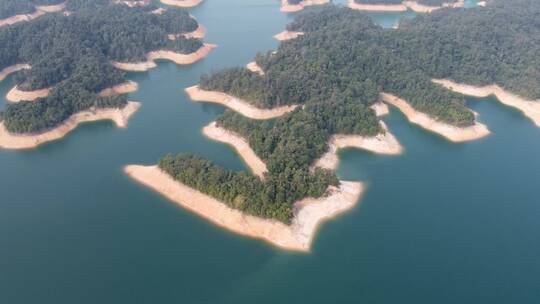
(255, 68)
(529, 108)
(292, 8)
(120, 117)
(452, 133)
(178, 58)
(380, 108)
(214, 132)
(288, 35)
(309, 213)
(40, 11)
(15, 95)
(182, 3)
(133, 3)
(384, 143)
(12, 69)
(236, 104)
(404, 6)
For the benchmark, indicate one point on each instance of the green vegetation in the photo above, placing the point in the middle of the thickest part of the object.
(10, 8)
(337, 70)
(72, 54)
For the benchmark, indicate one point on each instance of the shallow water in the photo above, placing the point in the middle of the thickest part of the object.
(443, 223)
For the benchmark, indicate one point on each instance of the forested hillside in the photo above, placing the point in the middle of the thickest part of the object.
(72, 54)
(337, 69)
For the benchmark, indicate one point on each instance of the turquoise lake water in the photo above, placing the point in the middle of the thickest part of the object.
(443, 223)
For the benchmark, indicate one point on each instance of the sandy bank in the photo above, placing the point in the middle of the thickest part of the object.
(27, 141)
(531, 109)
(308, 215)
(12, 69)
(255, 68)
(257, 166)
(482, 3)
(16, 95)
(384, 143)
(40, 11)
(286, 7)
(199, 33)
(133, 3)
(123, 88)
(412, 5)
(450, 132)
(380, 108)
(182, 3)
(288, 35)
(236, 104)
(165, 55)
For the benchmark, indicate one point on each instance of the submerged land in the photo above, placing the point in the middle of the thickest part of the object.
(336, 77)
(87, 47)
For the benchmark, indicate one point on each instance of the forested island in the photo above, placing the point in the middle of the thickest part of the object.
(337, 71)
(70, 57)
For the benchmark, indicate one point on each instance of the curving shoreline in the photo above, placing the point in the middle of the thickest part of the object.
(242, 147)
(15, 95)
(13, 69)
(380, 108)
(404, 6)
(120, 117)
(178, 58)
(199, 33)
(384, 143)
(286, 7)
(40, 11)
(452, 133)
(288, 35)
(255, 68)
(529, 108)
(236, 104)
(119, 89)
(182, 3)
(309, 213)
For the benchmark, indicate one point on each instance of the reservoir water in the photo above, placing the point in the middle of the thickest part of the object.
(443, 223)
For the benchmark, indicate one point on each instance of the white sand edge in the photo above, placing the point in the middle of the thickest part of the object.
(182, 59)
(242, 147)
(292, 8)
(133, 3)
(236, 104)
(182, 3)
(28, 141)
(12, 69)
(308, 215)
(529, 108)
(288, 35)
(412, 5)
(255, 68)
(40, 11)
(452, 133)
(384, 143)
(380, 108)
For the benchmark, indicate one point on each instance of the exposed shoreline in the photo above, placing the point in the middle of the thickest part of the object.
(15, 95)
(236, 104)
(40, 11)
(255, 68)
(28, 141)
(452, 133)
(380, 108)
(178, 58)
(384, 143)
(529, 108)
(182, 3)
(242, 147)
(287, 35)
(404, 6)
(292, 8)
(13, 69)
(309, 213)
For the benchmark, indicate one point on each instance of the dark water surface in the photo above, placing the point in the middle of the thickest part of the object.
(443, 223)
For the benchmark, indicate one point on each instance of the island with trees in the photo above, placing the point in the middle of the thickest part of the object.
(418, 6)
(335, 75)
(65, 65)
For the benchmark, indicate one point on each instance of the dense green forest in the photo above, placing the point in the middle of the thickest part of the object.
(337, 70)
(10, 8)
(423, 2)
(72, 54)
